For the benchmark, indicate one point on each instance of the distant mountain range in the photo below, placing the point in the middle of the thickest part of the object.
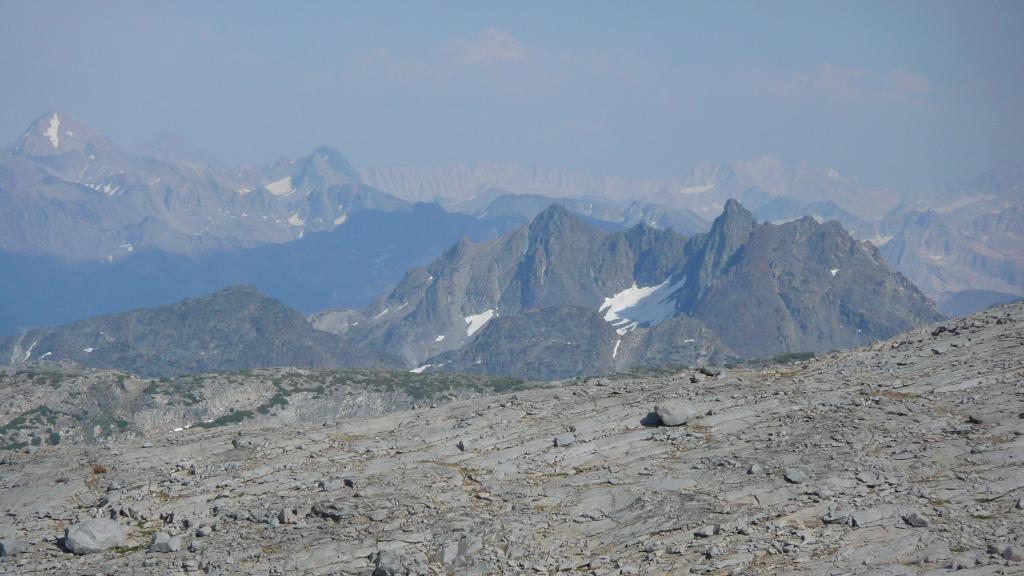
(557, 297)
(65, 190)
(347, 267)
(89, 228)
(961, 238)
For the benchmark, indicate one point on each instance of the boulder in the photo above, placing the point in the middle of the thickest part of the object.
(94, 535)
(164, 542)
(675, 413)
(11, 546)
(565, 440)
(795, 475)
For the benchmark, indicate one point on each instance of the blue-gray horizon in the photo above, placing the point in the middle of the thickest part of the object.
(910, 94)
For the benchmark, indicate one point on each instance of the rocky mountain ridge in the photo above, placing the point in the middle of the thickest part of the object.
(746, 290)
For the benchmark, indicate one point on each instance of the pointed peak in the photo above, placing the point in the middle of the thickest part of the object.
(325, 167)
(555, 218)
(735, 212)
(56, 133)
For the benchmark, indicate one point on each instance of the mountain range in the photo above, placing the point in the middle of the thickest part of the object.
(88, 228)
(557, 297)
(66, 190)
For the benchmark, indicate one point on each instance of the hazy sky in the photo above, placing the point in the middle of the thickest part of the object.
(891, 92)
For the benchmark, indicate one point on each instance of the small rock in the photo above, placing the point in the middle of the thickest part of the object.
(94, 535)
(696, 378)
(709, 371)
(836, 517)
(755, 468)
(915, 519)
(288, 515)
(704, 531)
(164, 542)
(795, 475)
(975, 419)
(463, 445)
(1012, 552)
(564, 440)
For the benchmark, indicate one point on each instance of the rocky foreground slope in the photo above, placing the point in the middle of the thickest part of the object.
(902, 458)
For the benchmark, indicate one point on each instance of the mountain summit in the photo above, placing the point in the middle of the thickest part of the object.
(58, 133)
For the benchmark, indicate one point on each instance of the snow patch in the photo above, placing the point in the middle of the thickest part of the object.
(53, 131)
(45, 355)
(615, 351)
(834, 175)
(640, 306)
(282, 187)
(420, 369)
(28, 353)
(340, 220)
(386, 310)
(833, 271)
(87, 350)
(688, 340)
(477, 321)
(296, 220)
(439, 338)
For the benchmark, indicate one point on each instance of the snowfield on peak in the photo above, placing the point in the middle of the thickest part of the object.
(53, 131)
(636, 306)
(477, 321)
(282, 187)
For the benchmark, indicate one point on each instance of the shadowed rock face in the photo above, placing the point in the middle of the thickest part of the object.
(861, 461)
(234, 329)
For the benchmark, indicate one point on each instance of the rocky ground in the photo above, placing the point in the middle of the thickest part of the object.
(902, 458)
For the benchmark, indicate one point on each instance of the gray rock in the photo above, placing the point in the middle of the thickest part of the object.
(836, 517)
(289, 515)
(705, 531)
(11, 546)
(94, 535)
(675, 413)
(795, 475)
(755, 468)
(565, 440)
(915, 519)
(463, 445)
(164, 542)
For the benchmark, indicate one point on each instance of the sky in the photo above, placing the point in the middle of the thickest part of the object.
(908, 93)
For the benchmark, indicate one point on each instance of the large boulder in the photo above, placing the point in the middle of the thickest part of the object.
(675, 413)
(94, 535)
